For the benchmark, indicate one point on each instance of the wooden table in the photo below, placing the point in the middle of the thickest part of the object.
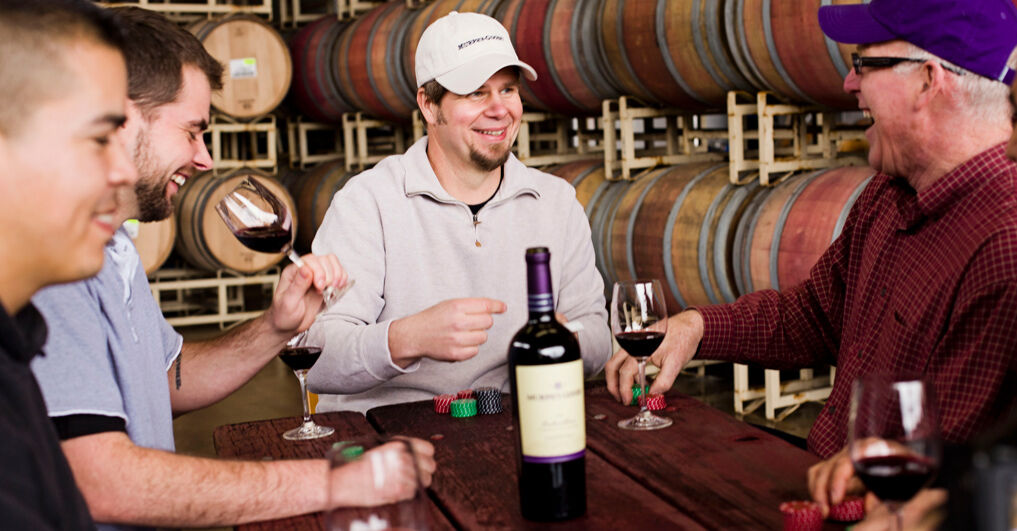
(707, 471)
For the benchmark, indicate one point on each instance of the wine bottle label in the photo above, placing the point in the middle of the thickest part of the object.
(552, 426)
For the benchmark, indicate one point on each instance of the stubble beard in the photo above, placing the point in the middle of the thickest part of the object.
(150, 189)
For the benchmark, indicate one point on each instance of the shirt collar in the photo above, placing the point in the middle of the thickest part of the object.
(23, 335)
(420, 177)
(952, 187)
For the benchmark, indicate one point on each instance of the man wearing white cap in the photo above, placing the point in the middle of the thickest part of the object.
(436, 237)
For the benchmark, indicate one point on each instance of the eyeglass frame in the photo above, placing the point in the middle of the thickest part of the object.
(858, 61)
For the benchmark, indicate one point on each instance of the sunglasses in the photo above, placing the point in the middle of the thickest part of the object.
(888, 62)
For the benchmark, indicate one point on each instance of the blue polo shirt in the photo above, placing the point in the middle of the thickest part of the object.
(109, 348)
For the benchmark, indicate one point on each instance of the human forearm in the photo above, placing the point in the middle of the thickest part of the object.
(124, 483)
(211, 370)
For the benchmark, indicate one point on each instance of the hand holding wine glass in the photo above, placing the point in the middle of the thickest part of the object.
(639, 323)
(261, 221)
(893, 437)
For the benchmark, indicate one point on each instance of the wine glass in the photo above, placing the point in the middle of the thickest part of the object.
(639, 322)
(893, 437)
(301, 358)
(261, 221)
(374, 483)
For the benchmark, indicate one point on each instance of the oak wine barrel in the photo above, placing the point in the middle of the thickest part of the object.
(256, 61)
(315, 88)
(313, 194)
(779, 46)
(204, 240)
(795, 223)
(369, 62)
(556, 38)
(154, 242)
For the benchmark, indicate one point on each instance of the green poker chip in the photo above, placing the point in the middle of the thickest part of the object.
(464, 407)
(352, 453)
(636, 391)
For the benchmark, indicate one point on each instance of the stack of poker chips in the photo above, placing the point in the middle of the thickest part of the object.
(443, 403)
(655, 402)
(464, 407)
(636, 393)
(802, 516)
(465, 393)
(488, 400)
(852, 509)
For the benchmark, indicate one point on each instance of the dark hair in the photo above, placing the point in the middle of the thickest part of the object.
(35, 34)
(434, 91)
(156, 52)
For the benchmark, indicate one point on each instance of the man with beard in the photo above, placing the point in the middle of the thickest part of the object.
(63, 84)
(436, 239)
(114, 372)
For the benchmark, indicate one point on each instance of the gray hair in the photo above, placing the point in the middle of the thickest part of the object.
(988, 100)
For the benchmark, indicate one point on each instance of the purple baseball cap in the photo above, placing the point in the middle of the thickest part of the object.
(978, 35)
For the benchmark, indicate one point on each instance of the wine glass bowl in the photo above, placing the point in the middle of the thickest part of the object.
(639, 324)
(893, 437)
(262, 222)
(300, 358)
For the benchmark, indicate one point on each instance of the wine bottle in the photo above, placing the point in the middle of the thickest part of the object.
(546, 373)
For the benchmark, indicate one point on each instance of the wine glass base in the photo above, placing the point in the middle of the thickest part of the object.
(308, 430)
(645, 421)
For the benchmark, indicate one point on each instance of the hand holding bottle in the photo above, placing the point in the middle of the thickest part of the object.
(451, 330)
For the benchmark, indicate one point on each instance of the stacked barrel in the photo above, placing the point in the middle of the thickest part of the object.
(708, 240)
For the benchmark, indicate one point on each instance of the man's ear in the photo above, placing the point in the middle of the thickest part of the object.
(428, 109)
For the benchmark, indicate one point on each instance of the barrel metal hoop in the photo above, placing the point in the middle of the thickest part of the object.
(735, 11)
(725, 227)
(660, 23)
(630, 230)
(778, 229)
(752, 217)
(833, 49)
(620, 28)
(703, 244)
(581, 16)
(714, 40)
(842, 218)
(771, 45)
(672, 217)
(549, 60)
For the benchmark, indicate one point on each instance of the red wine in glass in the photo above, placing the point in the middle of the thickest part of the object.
(639, 322)
(895, 478)
(300, 358)
(640, 344)
(271, 239)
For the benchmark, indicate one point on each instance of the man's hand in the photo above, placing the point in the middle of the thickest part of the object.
(685, 330)
(451, 330)
(298, 298)
(384, 475)
(832, 479)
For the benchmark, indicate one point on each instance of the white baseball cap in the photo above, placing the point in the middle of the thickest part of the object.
(461, 51)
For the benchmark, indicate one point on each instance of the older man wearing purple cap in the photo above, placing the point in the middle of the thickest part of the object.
(436, 239)
(923, 279)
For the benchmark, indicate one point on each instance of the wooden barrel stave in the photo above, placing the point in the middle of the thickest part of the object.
(155, 242)
(257, 64)
(315, 89)
(314, 195)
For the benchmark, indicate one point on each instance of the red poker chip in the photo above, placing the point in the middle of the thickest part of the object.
(465, 393)
(852, 509)
(443, 404)
(655, 402)
(802, 516)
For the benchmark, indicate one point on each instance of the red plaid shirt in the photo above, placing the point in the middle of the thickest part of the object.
(915, 284)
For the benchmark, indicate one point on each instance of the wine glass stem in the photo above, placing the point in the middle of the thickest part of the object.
(302, 378)
(643, 402)
(294, 257)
